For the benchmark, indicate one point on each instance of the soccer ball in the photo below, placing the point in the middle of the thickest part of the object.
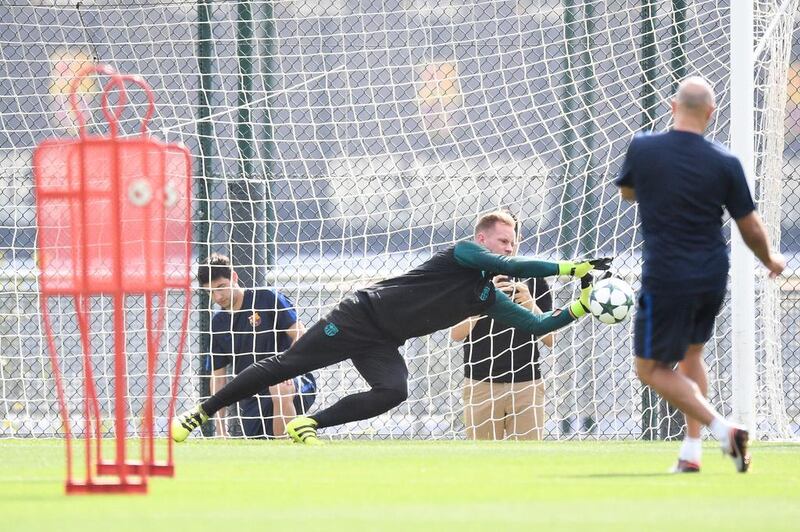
(611, 300)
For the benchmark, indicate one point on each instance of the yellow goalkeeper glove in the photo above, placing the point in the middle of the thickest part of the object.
(580, 306)
(581, 268)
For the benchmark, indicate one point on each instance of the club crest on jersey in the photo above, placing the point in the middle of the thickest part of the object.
(331, 329)
(255, 319)
(485, 293)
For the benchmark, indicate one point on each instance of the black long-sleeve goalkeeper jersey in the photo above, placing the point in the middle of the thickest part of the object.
(454, 284)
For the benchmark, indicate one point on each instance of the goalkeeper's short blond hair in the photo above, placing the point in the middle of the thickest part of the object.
(488, 220)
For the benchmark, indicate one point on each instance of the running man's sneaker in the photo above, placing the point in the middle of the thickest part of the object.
(303, 430)
(186, 422)
(685, 466)
(738, 438)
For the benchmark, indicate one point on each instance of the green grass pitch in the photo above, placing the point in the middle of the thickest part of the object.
(233, 486)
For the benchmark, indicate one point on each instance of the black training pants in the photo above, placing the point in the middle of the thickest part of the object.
(347, 332)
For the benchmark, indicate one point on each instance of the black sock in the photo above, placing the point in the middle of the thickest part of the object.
(249, 382)
(359, 406)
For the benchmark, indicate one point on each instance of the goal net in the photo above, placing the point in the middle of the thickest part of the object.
(338, 142)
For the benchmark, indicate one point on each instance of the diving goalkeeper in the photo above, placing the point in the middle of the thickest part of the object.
(369, 327)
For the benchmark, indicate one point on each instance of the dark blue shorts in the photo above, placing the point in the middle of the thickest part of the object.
(256, 413)
(666, 323)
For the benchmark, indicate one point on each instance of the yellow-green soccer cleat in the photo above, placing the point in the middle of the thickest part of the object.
(303, 430)
(186, 422)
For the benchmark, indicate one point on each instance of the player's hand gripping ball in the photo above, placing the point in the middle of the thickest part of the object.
(611, 300)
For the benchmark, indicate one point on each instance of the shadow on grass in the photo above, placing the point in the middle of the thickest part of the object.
(620, 475)
(37, 497)
(28, 481)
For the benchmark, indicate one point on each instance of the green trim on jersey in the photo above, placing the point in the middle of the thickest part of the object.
(505, 310)
(472, 255)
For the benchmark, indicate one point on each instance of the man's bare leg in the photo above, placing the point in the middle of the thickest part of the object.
(693, 367)
(684, 394)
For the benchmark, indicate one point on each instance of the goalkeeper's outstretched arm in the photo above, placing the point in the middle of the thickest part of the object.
(506, 311)
(475, 256)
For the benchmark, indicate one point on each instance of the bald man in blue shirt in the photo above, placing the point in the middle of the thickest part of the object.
(682, 182)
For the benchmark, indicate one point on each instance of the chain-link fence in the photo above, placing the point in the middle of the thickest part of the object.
(790, 239)
(340, 141)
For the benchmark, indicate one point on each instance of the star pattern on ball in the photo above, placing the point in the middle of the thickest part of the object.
(608, 307)
(611, 301)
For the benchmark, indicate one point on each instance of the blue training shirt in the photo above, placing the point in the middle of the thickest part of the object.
(256, 331)
(682, 182)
